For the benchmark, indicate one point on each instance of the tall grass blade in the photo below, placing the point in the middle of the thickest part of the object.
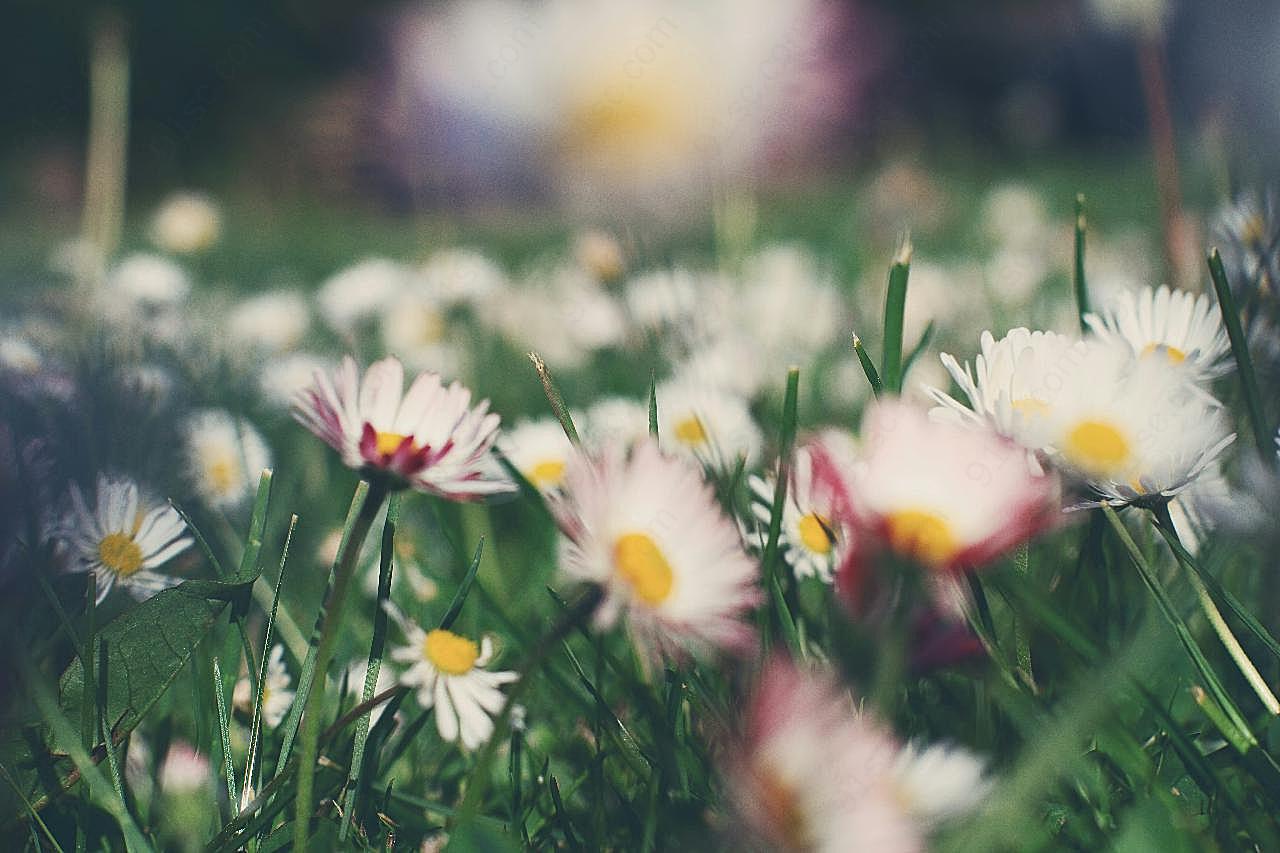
(1244, 362)
(895, 306)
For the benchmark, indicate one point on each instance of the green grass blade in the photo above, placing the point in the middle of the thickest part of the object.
(307, 675)
(1244, 362)
(919, 349)
(555, 399)
(1213, 684)
(769, 560)
(1078, 281)
(868, 366)
(377, 648)
(104, 731)
(224, 729)
(653, 404)
(895, 306)
(460, 597)
(31, 810)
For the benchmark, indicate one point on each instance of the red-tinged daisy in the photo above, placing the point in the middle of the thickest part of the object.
(948, 497)
(429, 438)
(647, 529)
(447, 672)
(123, 538)
(813, 773)
(1180, 329)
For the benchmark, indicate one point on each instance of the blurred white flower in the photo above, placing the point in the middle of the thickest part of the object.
(707, 424)
(1183, 329)
(561, 314)
(600, 254)
(150, 281)
(1014, 216)
(539, 450)
(274, 321)
(360, 292)
(183, 770)
(18, 355)
(79, 259)
(225, 457)
(789, 307)
(284, 376)
(277, 698)
(615, 420)
(665, 298)
(415, 328)
(939, 782)
(186, 223)
(462, 276)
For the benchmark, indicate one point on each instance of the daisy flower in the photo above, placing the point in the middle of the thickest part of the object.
(948, 497)
(1248, 230)
(615, 420)
(277, 698)
(646, 527)
(1134, 431)
(1175, 327)
(706, 423)
(539, 450)
(275, 321)
(447, 671)
(149, 281)
(225, 456)
(1011, 383)
(359, 292)
(285, 376)
(429, 438)
(184, 770)
(462, 277)
(788, 307)
(122, 541)
(186, 223)
(812, 773)
(812, 540)
(415, 326)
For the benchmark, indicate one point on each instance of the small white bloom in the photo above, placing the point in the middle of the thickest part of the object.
(186, 223)
(539, 450)
(285, 376)
(18, 355)
(462, 276)
(448, 673)
(360, 292)
(269, 322)
(1014, 216)
(121, 540)
(415, 327)
(226, 456)
(149, 281)
(665, 298)
(1180, 328)
(940, 782)
(707, 424)
(615, 420)
(812, 538)
(277, 698)
(183, 770)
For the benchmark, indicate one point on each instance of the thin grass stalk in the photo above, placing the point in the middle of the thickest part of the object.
(1240, 350)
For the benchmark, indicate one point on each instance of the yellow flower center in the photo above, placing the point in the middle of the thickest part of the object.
(221, 472)
(547, 474)
(119, 553)
(632, 121)
(1097, 447)
(450, 653)
(815, 533)
(782, 811)
(922, 535)
(690, 431)
(640, 562)
(388, 443)
(1030, 407)
(1173, 354)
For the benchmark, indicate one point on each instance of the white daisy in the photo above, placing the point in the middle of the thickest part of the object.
(415, 327)
(939, 782)
(275, 321)
(285, 376)
(186, 223)
(121, 540)
(447, 672)
(539, 450)
(1133, 430)
(225, 457)
(647, 528)
(429, 438)
(708, 424)
(277, 698)
(1012, 383)
(789, 307)
(1175, 327)
(462, 277)
(360, 292)
(561, 314)
(149, 281)
(812, 538)
(665, 298)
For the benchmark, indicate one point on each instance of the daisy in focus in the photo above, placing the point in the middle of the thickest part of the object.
(812, 773)
(429, 438)
(277, 698)
(539, 450)
(447, 671)
(1179, 328)
(947, 497)
(121, 540)
(225, 456)
(814, 543)
(646, 527)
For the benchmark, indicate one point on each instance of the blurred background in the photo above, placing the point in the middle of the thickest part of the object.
(478, 109)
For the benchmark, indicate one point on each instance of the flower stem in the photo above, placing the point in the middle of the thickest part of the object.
(324, 653)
